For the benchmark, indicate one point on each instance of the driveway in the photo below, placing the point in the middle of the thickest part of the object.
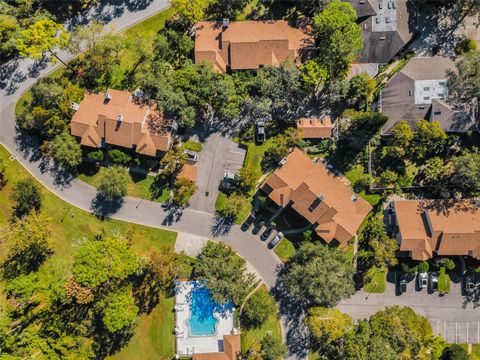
(219, 154)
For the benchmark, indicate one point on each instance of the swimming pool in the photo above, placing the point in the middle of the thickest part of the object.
(202, 322)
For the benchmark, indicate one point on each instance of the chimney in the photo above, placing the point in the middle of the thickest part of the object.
(106, 98)
(226, 22)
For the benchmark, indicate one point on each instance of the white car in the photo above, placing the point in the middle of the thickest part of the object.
(422, 280)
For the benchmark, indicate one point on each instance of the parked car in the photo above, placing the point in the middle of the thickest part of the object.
(260, 132)
(268, 232)
(402, 284)
(433, 282)
(469, 283)
(275, 240)
(230, 181)
(192, 156)
(258, 225)
(422, 280)
(247, 223)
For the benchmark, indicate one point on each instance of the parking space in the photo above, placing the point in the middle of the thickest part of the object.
(457, 332)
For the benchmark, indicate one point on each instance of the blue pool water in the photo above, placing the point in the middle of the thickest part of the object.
(202, 321)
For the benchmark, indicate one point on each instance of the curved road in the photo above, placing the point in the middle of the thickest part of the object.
(18, 76)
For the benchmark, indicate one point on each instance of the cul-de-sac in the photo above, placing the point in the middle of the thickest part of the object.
(240, 179)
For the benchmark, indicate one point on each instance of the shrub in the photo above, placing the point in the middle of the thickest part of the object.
(193, 146)
(362, 183)
(423, 266)
(455, 352)
(119, 157)
(465, 45)
(96, 156)
(387, 178)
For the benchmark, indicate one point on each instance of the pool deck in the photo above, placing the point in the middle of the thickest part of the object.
(187, 344)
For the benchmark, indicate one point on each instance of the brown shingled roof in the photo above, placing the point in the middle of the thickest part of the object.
(442, 227)
(315, 128)
(122, 121)
(231, 350)
(318, 195)
(249, 44)
(189, 172)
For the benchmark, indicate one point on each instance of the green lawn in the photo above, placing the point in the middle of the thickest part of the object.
(139, 185)
(272, 324)
(70, 224)
(254, 156)
(443, 282)
(192, 146)
(353, 175)
(285, 249)
(153, 337)
(375, 279)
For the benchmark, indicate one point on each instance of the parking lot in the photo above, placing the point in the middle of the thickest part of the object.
(219, 154)
(457, 332)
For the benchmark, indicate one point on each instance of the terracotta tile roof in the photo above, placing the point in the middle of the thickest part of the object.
(231, 350)
(249, 44)
(188, 171)
(321, 197)
(121, 121)
(315, 128)
(442, 227)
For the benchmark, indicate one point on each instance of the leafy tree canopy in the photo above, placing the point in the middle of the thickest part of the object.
(66, 150)
(114, 182)
(120, 311)
(27, 197)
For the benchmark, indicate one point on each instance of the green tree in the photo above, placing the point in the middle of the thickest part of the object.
(401, 139)
(363, 183)
(43, 36)
(434, 172)
(387, 178)
(96, 156)
(224, 273)
(257, 309)
(234, 204)
(380, 249)
(307, 277)
(466, 174)
(183, 189)
(164, 268)
(9, 27)
(327, 325)
(464, 84)
(29, 243)
(114, 182)
(191, 10)
(3, 174)
(272, 348)
(248, 178)
(226, 8)
(66, 151)
(423, 266)
(455, 352)
(105, 260)
(27, 197)
(120, 311)
(362, 87)
(314, 75)
(428, 138)
(339, 38)
(119, 157)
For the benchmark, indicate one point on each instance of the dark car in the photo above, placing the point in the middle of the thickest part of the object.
(260, 132)
(432, 282)
(268, 232)
(258, 225)
(246, 224)
(402, 284)
(469, 284)
(275, 240)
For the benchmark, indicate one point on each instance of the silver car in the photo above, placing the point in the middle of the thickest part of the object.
(275, 240)
(422, 280)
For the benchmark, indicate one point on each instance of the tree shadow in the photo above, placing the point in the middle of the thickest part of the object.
(292, 314)
(173, 213)
(221, 225)
(104, 207)
(37, 66)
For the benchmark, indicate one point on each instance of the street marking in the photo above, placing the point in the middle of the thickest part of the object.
(235, 162)
(456, 332)
(236, 152)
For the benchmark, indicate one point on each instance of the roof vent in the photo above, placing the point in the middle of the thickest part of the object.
(354, 198)
(226, 22)
(120, 118)
(283, 161)
(106, 98)
(138, 93)
(74, 106)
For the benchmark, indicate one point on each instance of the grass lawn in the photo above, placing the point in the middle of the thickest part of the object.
(443, 282)
(138, 186)
(375, 279)
(272, 324)
(243, 213)
(152, 339)
(192, 146)
(70, 224)
(353, 175)
(285, 249)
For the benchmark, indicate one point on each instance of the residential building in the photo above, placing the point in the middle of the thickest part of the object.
(119, 118)
(427, 228)
(231, 350)
(420, 91)
(387, 27)
(315, 128)
(322, 197)
(249, 45)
